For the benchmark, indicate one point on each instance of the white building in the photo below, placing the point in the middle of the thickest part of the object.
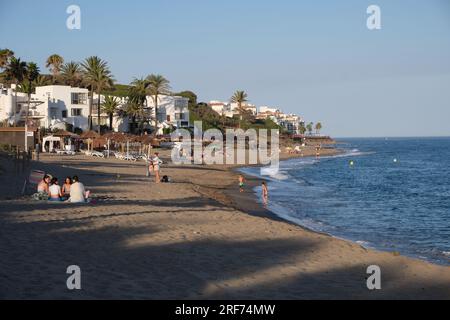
(61, 104)
(9, 110)
(222, 108)
(230, 109)
(290, 122)
(247, 106)
(119, 123)
(48, 106)
(173, 111)
(219, 106)
(266, 109)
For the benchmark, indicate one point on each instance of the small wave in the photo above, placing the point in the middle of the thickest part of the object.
(350, 153)
(362, 243)
(274, 173)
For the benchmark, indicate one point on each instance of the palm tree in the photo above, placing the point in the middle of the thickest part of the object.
(309, 127)
(98, 77)
(41, 81)
(157, 85)
(71, 73)
(133, 110)
(302, 128)
(54, 63)
(15, 72)
(5, 56)
(318, 128)
(31, 74)
(137, 94)
(109, 106)
(240, 97)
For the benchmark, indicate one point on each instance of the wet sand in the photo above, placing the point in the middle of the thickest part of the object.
(194, 238)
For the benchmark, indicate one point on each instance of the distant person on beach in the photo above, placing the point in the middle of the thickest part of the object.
(44, 184)
(265, 193)
(156, 167)
(66, 188)
(318, 151)
(78, 193)
(241, 183)
(55, 190)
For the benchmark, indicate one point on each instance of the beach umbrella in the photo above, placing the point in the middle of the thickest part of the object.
(64, 133)
(90, 135)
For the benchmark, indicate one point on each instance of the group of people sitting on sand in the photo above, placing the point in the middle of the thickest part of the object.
(71, 191)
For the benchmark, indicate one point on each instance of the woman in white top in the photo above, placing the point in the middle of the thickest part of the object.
(78, 194)
(55, 190)
(156, 167)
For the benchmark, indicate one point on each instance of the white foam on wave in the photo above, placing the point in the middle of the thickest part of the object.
(350, 153)
(274, 173)
(363, 243)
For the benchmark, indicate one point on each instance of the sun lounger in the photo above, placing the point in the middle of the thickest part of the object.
(33, 180)
(97, 154)
(65, 152)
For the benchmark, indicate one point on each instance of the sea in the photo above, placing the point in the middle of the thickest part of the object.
(389, 194)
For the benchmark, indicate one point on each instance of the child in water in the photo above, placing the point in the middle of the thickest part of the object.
(265, 193)
(241, 183)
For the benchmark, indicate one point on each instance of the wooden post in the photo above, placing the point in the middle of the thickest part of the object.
(16, 160)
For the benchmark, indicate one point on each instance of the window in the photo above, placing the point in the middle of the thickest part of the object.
(64, 113)
(79, 98)
(75, 112)
(179, 116)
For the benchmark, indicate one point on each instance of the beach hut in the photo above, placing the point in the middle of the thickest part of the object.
(51, 143)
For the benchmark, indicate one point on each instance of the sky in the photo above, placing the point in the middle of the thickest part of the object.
(317, 58)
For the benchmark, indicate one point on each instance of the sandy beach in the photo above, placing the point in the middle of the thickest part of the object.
(194, 238)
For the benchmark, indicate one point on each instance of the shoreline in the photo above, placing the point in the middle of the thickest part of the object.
(195, 238)
(253, 200)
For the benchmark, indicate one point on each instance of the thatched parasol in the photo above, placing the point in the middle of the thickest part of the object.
(90, 135)
(64, 133)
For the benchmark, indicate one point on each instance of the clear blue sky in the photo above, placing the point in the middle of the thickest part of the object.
(314, 58)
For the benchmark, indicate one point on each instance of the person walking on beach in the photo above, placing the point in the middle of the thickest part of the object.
(265, 193)
(150, 167)
(156, 167)
(241, 183)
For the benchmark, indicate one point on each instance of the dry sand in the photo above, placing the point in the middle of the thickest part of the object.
(195, 238)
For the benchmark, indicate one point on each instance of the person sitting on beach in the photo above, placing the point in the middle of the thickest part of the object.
(42, 189)
(78, 194)
(241, 183)
(44, 185)
(66, 188)
(55, 190)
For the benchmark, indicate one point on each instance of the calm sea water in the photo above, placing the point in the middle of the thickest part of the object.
(395, 197)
